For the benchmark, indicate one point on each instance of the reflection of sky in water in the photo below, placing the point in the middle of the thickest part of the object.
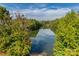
(43, 42)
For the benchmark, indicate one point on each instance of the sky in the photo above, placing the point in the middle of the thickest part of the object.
(41, 11)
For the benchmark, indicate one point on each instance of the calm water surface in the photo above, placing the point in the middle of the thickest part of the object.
(43, 42)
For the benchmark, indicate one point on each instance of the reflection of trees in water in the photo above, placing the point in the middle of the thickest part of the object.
(42, 44)
(37, 46)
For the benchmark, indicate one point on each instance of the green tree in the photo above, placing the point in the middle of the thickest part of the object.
(4, 15)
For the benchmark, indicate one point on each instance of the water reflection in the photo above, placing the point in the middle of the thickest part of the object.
(43, 42)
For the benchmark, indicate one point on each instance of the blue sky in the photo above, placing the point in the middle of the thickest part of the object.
(41, 11)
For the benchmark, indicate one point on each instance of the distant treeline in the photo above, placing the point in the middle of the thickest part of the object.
(15, 34)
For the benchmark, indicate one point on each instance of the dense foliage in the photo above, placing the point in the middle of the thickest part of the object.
(67, 35)
(15, 33)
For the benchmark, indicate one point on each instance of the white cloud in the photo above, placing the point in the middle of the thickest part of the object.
(43, 14)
